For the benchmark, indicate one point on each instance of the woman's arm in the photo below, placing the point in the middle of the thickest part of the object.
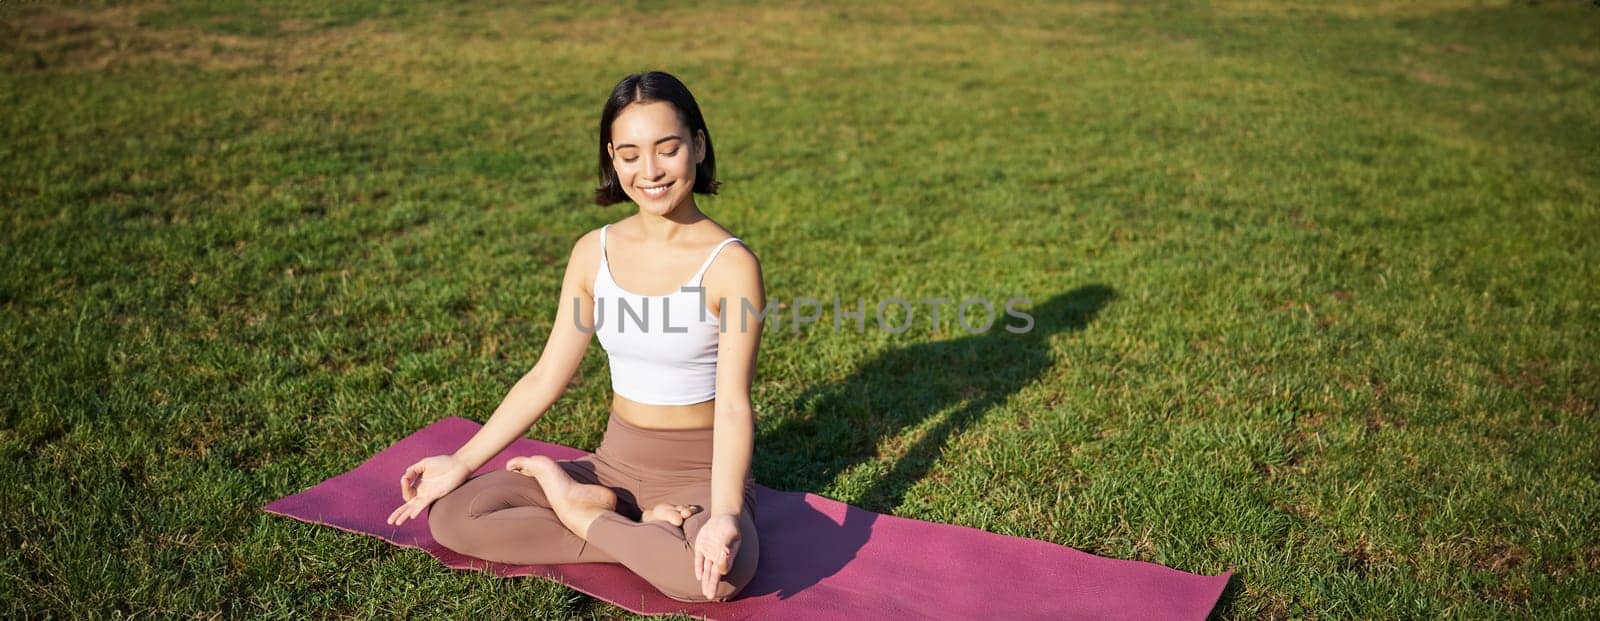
(737, 286)
(532, 395)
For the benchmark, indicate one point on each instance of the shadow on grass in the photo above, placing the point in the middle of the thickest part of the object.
(1225, 602)
(841, 425)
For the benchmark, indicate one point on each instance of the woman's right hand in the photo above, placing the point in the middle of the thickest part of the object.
(425, 482)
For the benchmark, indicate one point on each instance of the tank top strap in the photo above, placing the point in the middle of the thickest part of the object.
(707, 265)
(604, 264)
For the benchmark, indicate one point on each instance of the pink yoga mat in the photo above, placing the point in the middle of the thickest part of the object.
(820, 558)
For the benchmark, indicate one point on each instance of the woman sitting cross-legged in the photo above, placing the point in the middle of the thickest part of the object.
(668, 493)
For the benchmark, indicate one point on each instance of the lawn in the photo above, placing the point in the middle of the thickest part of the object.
(1314, 284)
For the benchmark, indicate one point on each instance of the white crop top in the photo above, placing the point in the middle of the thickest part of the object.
(662, 349)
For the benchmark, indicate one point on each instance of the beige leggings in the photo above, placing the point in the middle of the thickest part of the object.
(503, 516)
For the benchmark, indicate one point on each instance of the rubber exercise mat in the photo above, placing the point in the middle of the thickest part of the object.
(820, 558)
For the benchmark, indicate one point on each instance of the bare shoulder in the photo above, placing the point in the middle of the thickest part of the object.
(585, 258)
(735, 263)
(735, 273)
(588, 244)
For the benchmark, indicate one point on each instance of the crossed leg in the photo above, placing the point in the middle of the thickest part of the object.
(506, 517)
(659, 551)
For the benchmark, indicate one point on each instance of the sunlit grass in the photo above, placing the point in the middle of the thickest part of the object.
(1315, 282)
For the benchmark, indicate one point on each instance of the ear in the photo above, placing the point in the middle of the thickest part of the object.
(699, 146)
(610, 152)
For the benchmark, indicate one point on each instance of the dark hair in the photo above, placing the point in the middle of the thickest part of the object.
(647, 87)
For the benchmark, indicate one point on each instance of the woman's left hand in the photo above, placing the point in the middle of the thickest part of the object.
(714, 550)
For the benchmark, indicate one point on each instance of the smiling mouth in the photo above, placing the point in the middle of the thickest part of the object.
(656, 191)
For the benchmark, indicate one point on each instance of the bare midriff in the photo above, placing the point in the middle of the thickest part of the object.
(648, 416)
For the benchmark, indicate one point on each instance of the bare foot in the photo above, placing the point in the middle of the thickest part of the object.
(670, 513)
(576, 504)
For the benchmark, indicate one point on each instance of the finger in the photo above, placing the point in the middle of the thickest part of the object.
(709, 585)
(403, 513)
(393, 515)
(699, 565)
(406, 482)
(733, 552)
(703, 575)
(714, 561)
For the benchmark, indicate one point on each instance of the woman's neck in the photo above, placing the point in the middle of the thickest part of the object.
(666, 228)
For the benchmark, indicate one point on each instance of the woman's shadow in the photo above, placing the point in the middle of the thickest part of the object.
(838, 426)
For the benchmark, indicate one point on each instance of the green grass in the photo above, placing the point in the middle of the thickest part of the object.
(1315, 284)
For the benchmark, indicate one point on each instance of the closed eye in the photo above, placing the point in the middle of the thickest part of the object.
(671, 153)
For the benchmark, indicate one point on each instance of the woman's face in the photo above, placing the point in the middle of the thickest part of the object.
(654, 156)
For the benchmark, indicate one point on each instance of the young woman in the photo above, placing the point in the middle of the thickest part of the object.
(668, 493)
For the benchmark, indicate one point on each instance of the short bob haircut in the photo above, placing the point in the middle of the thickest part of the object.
(648, 87)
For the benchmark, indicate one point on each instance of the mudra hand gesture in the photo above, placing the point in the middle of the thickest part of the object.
(714, 550)
(432, 478)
